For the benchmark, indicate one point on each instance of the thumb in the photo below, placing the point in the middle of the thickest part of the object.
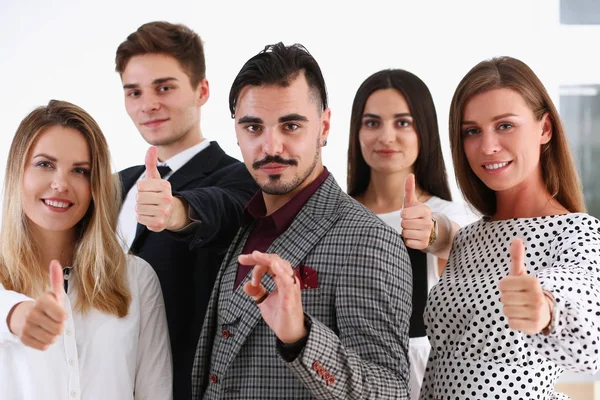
(151, 161)
(56, 277)
(517, 256)
(410, 196)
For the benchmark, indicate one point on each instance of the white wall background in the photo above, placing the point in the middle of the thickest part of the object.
(64, 49)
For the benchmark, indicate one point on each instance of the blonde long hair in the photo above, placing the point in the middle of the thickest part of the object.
(558, 169)
(99, 261)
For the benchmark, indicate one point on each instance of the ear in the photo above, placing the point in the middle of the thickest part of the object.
(202, 92)
(325, 125)
(546, 123)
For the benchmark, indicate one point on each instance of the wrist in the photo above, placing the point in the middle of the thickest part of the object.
(179, 217)
(551, 303)
(295, 337)
(14, 317)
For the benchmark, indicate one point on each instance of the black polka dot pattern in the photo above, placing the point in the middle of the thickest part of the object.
(475, 355)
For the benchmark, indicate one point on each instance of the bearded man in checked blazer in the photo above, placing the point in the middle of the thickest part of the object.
(313, 297)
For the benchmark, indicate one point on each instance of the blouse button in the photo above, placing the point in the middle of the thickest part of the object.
(68, 332)
(73, 393)
(71, 362)
(225, 334)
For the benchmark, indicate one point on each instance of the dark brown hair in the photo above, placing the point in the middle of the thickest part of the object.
(558, 170)
(159, 37)
(278, 64)
(429, 168)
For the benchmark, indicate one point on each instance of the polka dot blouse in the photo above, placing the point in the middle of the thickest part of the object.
(475, 355)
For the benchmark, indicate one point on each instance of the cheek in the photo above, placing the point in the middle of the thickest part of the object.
(366, 140)
(130, 107)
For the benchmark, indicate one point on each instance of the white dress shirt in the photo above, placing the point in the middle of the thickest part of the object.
(127, 217)
(99, 356)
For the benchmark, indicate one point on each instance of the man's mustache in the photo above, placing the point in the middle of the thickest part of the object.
(274, 160)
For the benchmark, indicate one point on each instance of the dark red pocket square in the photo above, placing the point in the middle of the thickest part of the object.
(307, 276)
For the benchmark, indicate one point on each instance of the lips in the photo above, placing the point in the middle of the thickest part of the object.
(154, 123)
(273, 168)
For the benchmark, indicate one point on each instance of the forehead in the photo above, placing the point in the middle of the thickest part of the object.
(386, 101)
(51, 141)
(143, 69)
(273, 101)
(491, 103)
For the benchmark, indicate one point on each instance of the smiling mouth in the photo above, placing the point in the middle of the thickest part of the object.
(57, 204)
(491, 167)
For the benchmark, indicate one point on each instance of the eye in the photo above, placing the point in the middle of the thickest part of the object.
(291, 127)
(470, 131)
(133, 93)
(370, 123)
(252, 128)
(44, 164)
(504, 126)
(82, 171)
(403, 123)
(164, 89)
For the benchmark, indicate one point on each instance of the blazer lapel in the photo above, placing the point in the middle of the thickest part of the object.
(305, 232)
(128, 178)
(201, 165)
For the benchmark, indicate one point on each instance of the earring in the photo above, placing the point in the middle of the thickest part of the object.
(324, 143)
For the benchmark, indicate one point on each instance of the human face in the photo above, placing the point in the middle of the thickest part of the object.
(280, 131)
(388, 139)
(56, 180)
(502, 139)
(162, 103)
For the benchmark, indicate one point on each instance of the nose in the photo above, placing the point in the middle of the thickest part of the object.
(60, 182)
(273, 144)
(388, 133)
(150, 103)
(490, 143)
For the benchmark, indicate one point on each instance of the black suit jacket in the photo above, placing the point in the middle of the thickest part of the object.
(217, 187)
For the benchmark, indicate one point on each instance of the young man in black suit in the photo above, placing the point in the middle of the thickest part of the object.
(182, 208)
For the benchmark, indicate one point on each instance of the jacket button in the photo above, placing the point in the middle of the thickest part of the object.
(225, 334)
(331, 380)
(316, 365)
(214, 379)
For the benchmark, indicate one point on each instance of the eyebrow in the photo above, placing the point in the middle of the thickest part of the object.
(157, 81)
(286, 118)
(395, 115)
(496, 118)
(53, 159)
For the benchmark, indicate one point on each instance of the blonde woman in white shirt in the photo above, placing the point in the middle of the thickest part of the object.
(79, 319)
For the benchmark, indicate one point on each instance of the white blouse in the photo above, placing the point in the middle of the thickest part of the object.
(99, 356)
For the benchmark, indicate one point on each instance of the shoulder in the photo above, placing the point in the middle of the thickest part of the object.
(140, 272)
(131, 170)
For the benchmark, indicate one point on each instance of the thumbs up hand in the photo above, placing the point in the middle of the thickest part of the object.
(156, 208)
(39, 323)
(416, 218)
(526, 306)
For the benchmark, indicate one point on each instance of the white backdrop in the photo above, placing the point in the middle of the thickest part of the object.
(65, 49)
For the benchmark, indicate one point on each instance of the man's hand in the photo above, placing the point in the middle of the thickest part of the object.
(156, 208)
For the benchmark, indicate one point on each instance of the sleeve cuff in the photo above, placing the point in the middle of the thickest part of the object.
(290, 351)
(194, 218)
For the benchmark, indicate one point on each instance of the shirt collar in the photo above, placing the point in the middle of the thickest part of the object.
(181, 158)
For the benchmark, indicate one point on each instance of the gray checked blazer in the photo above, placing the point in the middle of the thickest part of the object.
(358, 343)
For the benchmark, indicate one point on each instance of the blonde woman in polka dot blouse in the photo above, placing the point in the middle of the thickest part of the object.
(519, 300)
